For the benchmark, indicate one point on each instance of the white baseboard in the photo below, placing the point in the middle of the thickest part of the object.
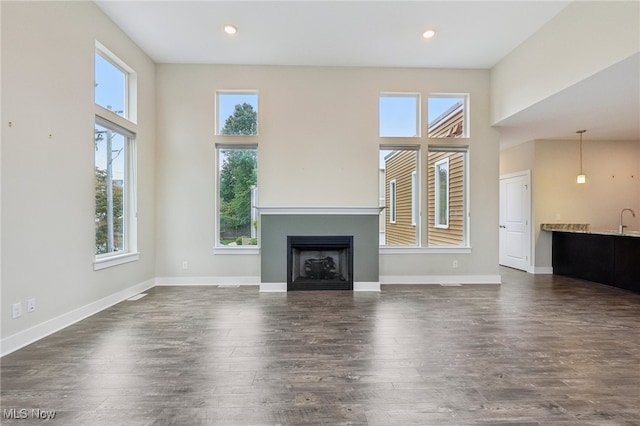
(366, 286)
(440, 279)
(184, 281)
(37, 332)
(542, 270)
(273, 287)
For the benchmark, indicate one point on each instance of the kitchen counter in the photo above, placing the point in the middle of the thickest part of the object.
(602, 256)
(585, 228)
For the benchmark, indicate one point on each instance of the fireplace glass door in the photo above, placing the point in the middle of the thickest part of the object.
(320, 262)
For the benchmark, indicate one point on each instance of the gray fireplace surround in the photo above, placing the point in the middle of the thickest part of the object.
(276, 224)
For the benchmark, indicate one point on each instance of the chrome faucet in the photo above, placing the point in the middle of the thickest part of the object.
(621, 227)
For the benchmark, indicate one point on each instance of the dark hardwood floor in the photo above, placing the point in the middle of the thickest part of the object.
(537, 350)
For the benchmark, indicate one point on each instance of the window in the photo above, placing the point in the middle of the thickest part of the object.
(114, 83)
(237, 113)
(113, 146)
(414, 198)
(399, 115)
(398, 166)
(444, 226)
(441, 193)
(392, 201)
(447, 116)
(114, 162)
(447, 212)
(237, 172)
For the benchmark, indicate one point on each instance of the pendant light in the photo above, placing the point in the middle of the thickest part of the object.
(581, 177)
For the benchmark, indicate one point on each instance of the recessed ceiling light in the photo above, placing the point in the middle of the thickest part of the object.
(230, 29)
(428, 34)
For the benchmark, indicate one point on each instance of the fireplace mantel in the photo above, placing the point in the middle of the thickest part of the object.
(374, 211)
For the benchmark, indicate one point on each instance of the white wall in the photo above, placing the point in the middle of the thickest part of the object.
(48, 187)
(318, 146)
(582, 40)
(613, 183)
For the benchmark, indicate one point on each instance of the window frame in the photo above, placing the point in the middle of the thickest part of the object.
(124, 125)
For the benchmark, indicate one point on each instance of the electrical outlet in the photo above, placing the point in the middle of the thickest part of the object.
(16, 311)
(31, 305)
(185, 264)
(455, 264)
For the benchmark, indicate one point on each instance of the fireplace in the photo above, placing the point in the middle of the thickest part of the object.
(278, 224)
(320, 262)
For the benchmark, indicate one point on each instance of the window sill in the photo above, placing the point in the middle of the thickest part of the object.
(237, 250)
(115, 260)
(423, 250)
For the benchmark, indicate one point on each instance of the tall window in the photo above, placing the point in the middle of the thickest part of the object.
(441, 193)
(392, 202)
(237, 172)
(237, 113)
(398, 166)
(447, 116)
(114, 161)
(113, 146)
(414, 198)
(444, 223)
(399, 115)
(447, 205)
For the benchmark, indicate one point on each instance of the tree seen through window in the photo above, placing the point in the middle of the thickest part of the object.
(238, 180)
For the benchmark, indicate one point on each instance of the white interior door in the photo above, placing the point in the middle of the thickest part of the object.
(515, 220)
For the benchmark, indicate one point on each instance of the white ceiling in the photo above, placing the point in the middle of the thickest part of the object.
(606, 104)
(470, 34)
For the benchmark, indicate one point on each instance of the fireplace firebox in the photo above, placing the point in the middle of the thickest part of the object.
(320, 262)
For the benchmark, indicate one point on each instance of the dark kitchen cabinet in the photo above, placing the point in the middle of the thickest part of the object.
(602, 258)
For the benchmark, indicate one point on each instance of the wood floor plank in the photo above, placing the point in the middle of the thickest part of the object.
(537, 350)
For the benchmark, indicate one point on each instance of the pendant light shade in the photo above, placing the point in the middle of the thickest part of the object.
(581, 177)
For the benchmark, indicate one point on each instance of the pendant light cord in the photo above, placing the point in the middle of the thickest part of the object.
(580, 132)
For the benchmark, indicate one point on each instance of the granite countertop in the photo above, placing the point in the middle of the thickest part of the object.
(585, 228)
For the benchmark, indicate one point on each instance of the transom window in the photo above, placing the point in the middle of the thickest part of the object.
(237, 113)
(447, 116)
(114, 82)
(399, 115)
